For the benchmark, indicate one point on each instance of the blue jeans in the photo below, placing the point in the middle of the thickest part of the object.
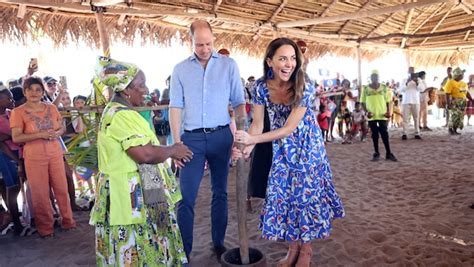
(9, 170)
(216, 148)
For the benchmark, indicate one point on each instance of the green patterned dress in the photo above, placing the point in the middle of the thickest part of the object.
(128, 232)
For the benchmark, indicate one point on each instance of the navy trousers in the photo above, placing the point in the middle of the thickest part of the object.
(216, 148)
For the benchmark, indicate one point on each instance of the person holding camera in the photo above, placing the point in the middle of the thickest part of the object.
(411, 105)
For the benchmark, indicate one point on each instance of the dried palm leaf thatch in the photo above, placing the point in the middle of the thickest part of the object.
(248, 26)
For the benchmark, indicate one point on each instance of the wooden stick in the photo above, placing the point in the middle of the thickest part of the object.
(359, 14)
(241, 190)
(329, 93)
(465, 7)
(99, 109)
(466, 37)
(467, 4)
(275, 13)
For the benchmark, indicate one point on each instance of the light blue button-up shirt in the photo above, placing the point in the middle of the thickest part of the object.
(205, 94)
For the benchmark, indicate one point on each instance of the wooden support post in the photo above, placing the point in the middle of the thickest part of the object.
(407, 58)
(407, 26)
(121, 19)
(21, 11)
(359, 70)
(104, 37)
(104, 41)
(241, 188)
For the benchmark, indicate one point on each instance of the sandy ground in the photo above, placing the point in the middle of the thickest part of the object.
(414, 212)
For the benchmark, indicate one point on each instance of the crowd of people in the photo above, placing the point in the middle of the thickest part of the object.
(143, 210)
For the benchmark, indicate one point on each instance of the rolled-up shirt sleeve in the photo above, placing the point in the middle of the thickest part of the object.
(176, 90)
(237, 97)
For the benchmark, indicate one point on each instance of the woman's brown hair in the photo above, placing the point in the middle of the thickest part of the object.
(32, 80)
(297, 77)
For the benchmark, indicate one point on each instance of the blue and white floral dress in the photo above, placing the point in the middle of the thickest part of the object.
(300, 200)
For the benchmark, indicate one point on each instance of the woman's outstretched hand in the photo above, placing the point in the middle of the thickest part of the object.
(181, 152)
(243, 137)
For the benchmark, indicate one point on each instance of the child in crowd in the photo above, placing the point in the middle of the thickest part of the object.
(79, 102)
(323, 121)
(397, 117)
(343, 117)
(10, 162)
(359, 123)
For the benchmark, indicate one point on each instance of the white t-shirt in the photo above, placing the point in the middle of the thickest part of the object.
(422, 87)
(411, 93)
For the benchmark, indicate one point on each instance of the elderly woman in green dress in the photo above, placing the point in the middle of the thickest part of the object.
(456, 93)
(135, 225)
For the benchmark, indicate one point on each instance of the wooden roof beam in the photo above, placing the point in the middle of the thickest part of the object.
(21, 11)
(326, 10)
(275, 13)
(150, 13)
(439, 23)
(360, 14)
(466, 37)
(216, 6)
(324, 13)
(365, 6)
(407, 26)
(417, 36)
(466, 6)
(429, 17)
(441, 48)
(379, 26)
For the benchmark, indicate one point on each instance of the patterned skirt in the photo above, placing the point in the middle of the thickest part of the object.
(456, 113)
(301, 200)
(157, 242)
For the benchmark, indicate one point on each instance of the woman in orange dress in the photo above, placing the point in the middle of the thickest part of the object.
(39, 125)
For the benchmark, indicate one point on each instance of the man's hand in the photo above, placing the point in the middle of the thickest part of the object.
(370, 115)
(236, 153)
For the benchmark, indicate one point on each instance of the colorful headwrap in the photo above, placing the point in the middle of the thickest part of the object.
(458, 72)
(115, 74)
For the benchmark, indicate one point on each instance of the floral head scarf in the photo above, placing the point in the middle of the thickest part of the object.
(115, 74)
(457, 72)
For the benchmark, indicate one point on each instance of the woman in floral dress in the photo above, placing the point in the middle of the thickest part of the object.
(301, 200)
(130, 231)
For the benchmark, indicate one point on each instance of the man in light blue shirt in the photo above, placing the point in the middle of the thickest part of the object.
(202, 86)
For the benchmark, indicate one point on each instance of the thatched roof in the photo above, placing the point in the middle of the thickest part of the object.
(433, 32)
